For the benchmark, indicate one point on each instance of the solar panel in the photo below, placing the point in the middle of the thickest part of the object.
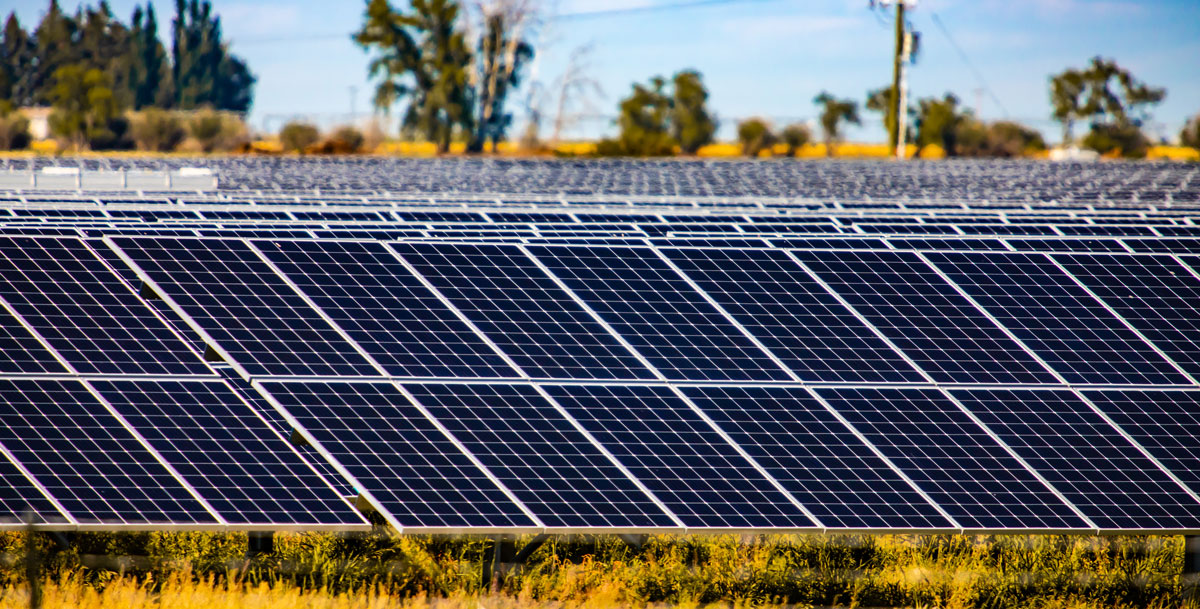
(21, 502)
(962, 468)
(521, 309)
(87, 460)
(1156, 294)
(1098, 471)
(385, 309)
(682, 460)
(816, 458)
(1164, 422)
(925, 317)
(251, 312)
(531, 447)
(663, 317)
(228, 454)
(416, 473)
(1057, 319)
(84, 312)
(813, 334)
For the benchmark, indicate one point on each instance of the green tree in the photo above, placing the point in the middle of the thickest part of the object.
(692, 125)
(55, 46)
(149, 71)
(1115, 101)
(1190, 134)
(14, 127)
(644, 122)
(86, 112)
(834, 112)
(203, 71)
(104, 45)
(297, 136)
(17, 64)
(795, 136)
(880, 100)
(940, 122)
(423, 56)
(755, 135)
(1066, 96)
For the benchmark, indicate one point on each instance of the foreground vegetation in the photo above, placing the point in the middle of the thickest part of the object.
(323, 570)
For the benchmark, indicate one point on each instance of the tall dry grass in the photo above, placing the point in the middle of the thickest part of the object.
(209, 571)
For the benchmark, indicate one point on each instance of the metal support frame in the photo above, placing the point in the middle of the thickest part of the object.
(505, 559)
(259, 543)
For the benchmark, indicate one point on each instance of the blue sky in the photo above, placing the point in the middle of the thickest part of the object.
(758, 57)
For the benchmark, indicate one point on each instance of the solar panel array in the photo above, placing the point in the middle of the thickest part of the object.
(992, 348)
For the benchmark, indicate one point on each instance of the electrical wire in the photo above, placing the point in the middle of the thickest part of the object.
(962, 54)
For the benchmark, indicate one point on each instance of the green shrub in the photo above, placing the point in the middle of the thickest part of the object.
(297, 136)
(1190, 134)
(14, 128)
(157, 130)
(755, 136)
(1126, 140)
(795, 136)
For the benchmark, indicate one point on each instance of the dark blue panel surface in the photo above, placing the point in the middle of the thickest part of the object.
(533, 449)
(662, 316)
(396, 453)
(963, 469)
(87, 460)
(925, 317)
(523, 311)
(697, 474)
(1166, 423)
(21, 501)
(227, 453)
(1085, 458)
(245, 306)
(386, 309)
(1058, 320)
(86, 313)
(816, 458)
(786, 309)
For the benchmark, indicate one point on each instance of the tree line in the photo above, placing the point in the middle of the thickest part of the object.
(92, 68)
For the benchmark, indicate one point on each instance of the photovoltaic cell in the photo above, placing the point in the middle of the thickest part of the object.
(533, 449)
(386, 309)
(87, 460)
(85, 312)
(662, 316)
(21, 502)
(229, 455)
(925, 317)
(1068, 328)
(679, 457)
(513, 302)
(777, 302)
(954, 460)
(1078, 452)
(20, 351)
(246, 307)
(399, 456)
(1165, 422)
(1155, 294)
(816, 458)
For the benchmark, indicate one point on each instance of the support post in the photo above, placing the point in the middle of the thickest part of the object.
(897, 62)
(503, 553)
(259, 543)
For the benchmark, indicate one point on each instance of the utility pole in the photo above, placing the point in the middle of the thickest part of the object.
(902, 106)
(353, 111)
(897, 66)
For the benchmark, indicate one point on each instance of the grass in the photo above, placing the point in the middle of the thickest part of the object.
(210, 571)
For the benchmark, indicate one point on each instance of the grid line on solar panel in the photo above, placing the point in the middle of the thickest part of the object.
(954, 460)
(390, 450)
(1166, 423)
(249, 311)
(667, 321)
(548, 464)
(385, 309)
(923, 315)
(80, 308)
(684, 461)
(1085, 458)
(82, 454)
(227, 453)
(1157, 295)
(21, 350)
(816, 458)
(795, 318)
(523, 311)
(22, 500)
(1058, 320)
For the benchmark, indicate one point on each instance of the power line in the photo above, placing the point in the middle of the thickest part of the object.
(577, 16)
(978, 75)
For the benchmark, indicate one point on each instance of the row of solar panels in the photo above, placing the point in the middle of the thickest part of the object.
(323, 308)
(960, 180)
(132, 454)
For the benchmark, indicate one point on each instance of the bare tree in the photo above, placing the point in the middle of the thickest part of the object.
(505, 28)
(575, 87)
